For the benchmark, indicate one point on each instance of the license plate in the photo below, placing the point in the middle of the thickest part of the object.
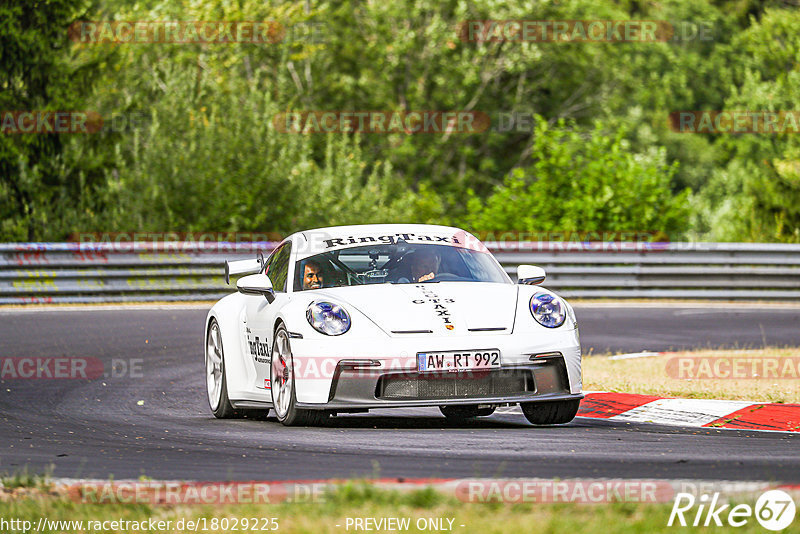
(462, 360)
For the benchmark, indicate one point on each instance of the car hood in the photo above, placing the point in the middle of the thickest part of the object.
(467, 308)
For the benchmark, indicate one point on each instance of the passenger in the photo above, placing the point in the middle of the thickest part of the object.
(312, 275)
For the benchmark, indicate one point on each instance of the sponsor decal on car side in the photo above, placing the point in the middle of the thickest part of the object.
(258, 349)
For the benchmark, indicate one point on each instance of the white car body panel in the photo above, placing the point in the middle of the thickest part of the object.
(390, 324)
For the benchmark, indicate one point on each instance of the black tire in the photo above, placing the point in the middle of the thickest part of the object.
(294, 416)
(460, 412)
(551, 413)
(224, 409)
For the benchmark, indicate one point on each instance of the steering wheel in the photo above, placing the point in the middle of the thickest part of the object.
(445, 277)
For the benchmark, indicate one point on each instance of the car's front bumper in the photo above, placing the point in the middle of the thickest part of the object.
(362, 376)
(542, 380)
(499, 401)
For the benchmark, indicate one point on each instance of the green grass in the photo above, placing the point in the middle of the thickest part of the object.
(24, 479)
(360, 500)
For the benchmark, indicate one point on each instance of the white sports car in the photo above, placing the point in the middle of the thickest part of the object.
(349, 318)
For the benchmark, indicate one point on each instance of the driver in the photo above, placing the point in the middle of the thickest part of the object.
(425, 264)
(312, 275)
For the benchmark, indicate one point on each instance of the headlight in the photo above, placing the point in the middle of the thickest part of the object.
(548, 310)
(327, 318)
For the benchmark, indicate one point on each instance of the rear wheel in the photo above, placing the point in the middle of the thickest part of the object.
(550, 413)
(460, 412)
(282, 384)
(216, 381)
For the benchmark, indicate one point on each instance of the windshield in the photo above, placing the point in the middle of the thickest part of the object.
(398, 263)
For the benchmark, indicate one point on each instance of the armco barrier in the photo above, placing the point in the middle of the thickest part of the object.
(118, 272)
(728, 271)
(187, 271)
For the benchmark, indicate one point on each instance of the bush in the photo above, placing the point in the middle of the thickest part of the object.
(584, 181)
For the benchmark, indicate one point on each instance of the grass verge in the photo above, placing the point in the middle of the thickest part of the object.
(705, 374)
(421, 508)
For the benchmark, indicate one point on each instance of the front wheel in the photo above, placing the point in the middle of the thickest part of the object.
(459, 412)
(550, 413)
(281, 378)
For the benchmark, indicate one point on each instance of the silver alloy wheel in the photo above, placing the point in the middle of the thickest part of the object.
(214, 366)
(281, 377)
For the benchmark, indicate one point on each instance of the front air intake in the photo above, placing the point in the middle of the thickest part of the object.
(455, 385)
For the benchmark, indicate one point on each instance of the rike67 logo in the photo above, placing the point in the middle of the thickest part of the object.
(774, 510)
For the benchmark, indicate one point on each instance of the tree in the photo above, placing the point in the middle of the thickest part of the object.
(38, 74)
(584, 181)
(755, 194)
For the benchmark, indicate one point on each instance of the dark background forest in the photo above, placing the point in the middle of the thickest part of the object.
(188, 142)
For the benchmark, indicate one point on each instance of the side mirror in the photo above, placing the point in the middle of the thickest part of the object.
(256, 284)
(530, 275)
(243, 267)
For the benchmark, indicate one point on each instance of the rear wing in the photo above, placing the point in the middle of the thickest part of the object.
(243, 267)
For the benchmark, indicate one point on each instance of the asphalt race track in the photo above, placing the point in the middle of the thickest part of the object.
(155, 420)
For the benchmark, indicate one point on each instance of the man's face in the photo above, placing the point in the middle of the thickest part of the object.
(312, 277)
(424, 266)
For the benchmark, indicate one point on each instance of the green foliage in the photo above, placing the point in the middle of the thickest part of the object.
(363, 493)
(219, 165)
(331, 514)
(23, 478)
(38, 73)
(755, 195)
(583, 181)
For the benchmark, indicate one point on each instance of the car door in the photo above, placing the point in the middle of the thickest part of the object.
(260, 316)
